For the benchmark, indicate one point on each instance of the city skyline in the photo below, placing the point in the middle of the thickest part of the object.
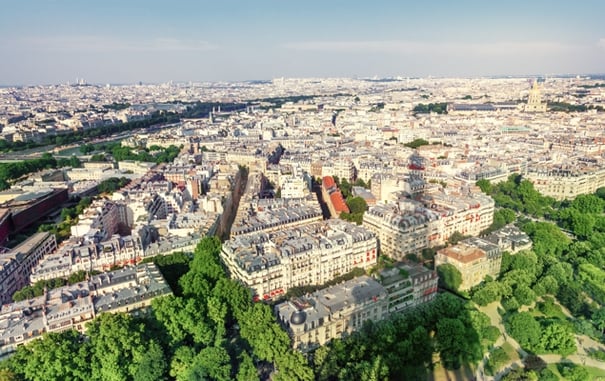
(110, 42)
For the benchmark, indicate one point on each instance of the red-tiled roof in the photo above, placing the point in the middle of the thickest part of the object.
(339, 202)
(328, 182)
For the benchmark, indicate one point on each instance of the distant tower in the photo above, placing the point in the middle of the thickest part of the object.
(534, 101)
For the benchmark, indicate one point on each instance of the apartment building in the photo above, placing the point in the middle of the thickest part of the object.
(475, 258)
(566, 182)
(341, 167)
(314, 320)
(102, 216)
(17, 264)
(310, 254)
(402, 228)
(293, 187)
(88, 254)
(384, 186)
(273, 214)
(130, 290)
(462, 210)
(136, 167)
(510, 238)
(408, 286)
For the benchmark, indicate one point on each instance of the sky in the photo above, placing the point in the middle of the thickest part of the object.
(153, 41)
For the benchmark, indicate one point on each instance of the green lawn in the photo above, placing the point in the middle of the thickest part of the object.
(555, 315)
(596, 374)
(510, 351)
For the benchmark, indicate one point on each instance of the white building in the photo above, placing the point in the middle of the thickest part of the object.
(271, 263)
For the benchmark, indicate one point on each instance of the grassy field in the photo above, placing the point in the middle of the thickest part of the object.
(596, 374)
(441, 374)
(510, 351)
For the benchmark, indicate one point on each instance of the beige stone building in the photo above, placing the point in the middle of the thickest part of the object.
(130, 290)
(272, 262)
(315, 319)
(567, 183)
(475, 258)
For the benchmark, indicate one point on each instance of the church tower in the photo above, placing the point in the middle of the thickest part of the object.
(534, 101)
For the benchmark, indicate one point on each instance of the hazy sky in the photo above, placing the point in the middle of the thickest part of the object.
(125, 41)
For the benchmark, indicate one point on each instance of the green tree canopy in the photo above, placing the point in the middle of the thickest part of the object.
(449, 276)
(525, 329)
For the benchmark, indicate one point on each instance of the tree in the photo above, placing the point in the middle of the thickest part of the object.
(525, 329)
(518, 374)
(374, 370)
(185, 320)
(548, 375)
(8, 375)
(533, 362)
(588, 204)
(122, 351)
(87, 148)
(360, 183)
(485, 186)
(417, 143)
(547, 238)
(217, 312)
(573, 372)
(497, 358)
(526, 261)
(456, 237)
(59, 356)
(581, 223)
(510, 304)
(570, 295)
(546, 285)
(490, 292)
(562, 272)
(326, 359)
(524, 295)
(181, 362)
(213, 362)
(357, 205)
(548, 307)
(267, 339)
(598, 319)
(292, 366)
(152, 365)
(449, 276)
(247, 371)
(450, 342)
(558, 338)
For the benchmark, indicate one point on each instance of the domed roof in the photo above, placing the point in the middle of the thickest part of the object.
(298, 317)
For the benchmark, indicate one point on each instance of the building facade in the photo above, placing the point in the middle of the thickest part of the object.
(130, 290)
(566, 183)
(314, 320)
(79, 254)
(17, 264)
(311, 254)
(402, 228)
(475, 259)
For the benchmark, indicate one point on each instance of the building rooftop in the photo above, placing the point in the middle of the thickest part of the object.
(329, 301)
(463, 253)
(59, 307)
(259, 251)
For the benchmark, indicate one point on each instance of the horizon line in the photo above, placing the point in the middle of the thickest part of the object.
(373, 77)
